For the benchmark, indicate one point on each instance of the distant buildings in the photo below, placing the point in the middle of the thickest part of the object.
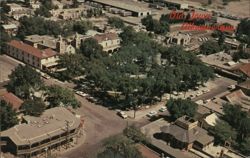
(41, 59)
(11, 29)
(17, 11)
(128, 7)
(37, 135)
(69, 14)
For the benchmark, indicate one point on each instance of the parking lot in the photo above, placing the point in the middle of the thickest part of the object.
(7, 64)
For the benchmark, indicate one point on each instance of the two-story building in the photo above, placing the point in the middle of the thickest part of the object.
(41, 59)
(109, 41)
(56, 127)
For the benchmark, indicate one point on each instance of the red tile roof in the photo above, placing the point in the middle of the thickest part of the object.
(106, 36)
(12, 99)
(46, 53)
(245, 69)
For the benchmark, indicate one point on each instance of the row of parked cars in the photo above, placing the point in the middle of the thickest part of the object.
(123, 115)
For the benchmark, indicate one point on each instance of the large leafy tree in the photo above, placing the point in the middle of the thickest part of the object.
(33, 107)
(233, 114)
(8, 116)
(4, 39)
(24, 80)
(243, 31)
(244, 128)
(59, 96)
(119, 147)
(91, 49)
(73, 64)
(159, 27)
(135, 134)
(116, 22)
(224, 132)
(209, 47)
(82, 26)
(244, 146)
(180, 107)
(37, 25)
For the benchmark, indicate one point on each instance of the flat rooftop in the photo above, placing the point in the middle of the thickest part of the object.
(127, 5)
(51, 123)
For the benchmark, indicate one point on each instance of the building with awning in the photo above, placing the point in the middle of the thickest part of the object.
(185, 133)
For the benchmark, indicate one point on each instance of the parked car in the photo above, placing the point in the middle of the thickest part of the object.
(92, 99)
(162, 109)
(151, 113)
(231, 87)
(122, 114)
(82, 93)
(45, 76)
(217, 75)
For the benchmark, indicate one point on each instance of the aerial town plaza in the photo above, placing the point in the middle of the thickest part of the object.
(124, 79)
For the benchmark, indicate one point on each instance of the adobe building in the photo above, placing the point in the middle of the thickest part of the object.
(178, 38)
(185, 134)
(11, 99)
(59, 44)
(55, 128)
(41, 59)
(110, 42)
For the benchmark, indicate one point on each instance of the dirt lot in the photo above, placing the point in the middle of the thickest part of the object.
(100, 123)
(239, 8)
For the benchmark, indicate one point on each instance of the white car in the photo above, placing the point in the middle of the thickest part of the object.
(45, 76)
(217, 75)
(122, 114)
(162, 109)
(151, 113)
(81, 93)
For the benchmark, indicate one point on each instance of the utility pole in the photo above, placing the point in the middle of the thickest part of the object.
(67, 134)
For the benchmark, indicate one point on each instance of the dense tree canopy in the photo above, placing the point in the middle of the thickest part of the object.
(90, 48)
(37, 25)
(234, 127)
(73, 63)
(120, 72)
(8, 116)
(135, 134)
(210, 47)
(241, 54)
(33, 107)
(180, 107)
(119, 147)
(82, 26)
(243, 31)
(4, 38)
(244, 146)
(44, 9)
(158, 27)
(116, 22)
(58, 96)
(224, 132)
(24, 81)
